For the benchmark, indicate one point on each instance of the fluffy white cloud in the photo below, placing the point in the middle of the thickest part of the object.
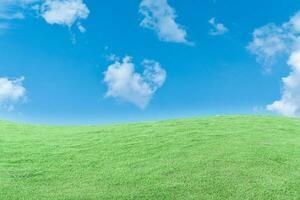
(289, 104)
(61, 12)
(126, 84)
(160, 17)
(64, 12)
(217, 28)
(11, 92)
(270, 42)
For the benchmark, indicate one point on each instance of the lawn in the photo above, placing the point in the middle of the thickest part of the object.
(234, 157)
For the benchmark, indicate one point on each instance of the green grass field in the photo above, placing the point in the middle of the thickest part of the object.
(202, 158)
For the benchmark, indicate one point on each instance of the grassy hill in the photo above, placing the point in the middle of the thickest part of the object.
(201, 158)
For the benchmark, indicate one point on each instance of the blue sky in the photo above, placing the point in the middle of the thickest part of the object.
(86, 62)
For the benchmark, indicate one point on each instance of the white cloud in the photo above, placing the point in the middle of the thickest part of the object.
(295, 23)
(61, 12)
(126, 84)
(81, 28)
(289, 104)
(217, 28)
(11, 92)
(64, 12)
(161, 17)
(270, 42)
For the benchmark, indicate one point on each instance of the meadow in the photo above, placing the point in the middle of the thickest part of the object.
(230, 157)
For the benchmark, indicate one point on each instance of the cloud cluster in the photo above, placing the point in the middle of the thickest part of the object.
(61, 12)
(161, 17)
(11, 92)
(270, 42)
(217, 28)
(126, 84)
(66, 12)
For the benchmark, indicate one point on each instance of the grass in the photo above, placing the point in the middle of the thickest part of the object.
(202, 158)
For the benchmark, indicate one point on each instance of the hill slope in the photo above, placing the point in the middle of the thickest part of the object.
(206, 158)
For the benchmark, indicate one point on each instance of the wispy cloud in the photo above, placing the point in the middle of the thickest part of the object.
(270, 42)
(126, 84)
(14, 9)
(12, 91)
(3, 27)
(161, 17)
(10, 16)
(217, 28)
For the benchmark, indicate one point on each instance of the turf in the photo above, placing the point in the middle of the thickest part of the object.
(240, 157)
